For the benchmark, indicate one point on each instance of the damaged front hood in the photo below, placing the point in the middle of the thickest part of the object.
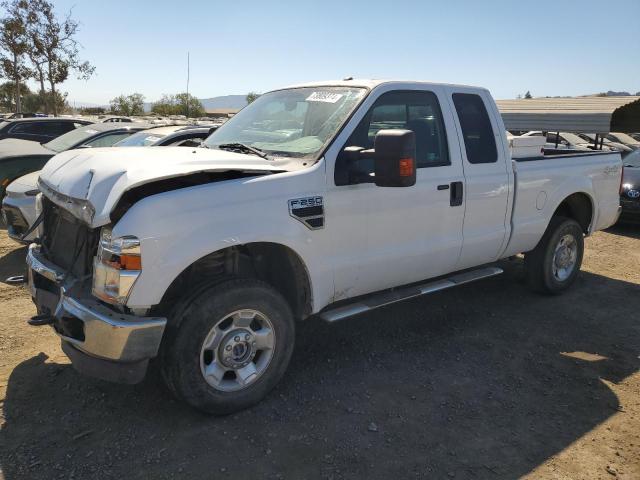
(91, 181)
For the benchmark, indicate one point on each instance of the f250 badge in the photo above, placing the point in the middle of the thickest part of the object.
(309, 211)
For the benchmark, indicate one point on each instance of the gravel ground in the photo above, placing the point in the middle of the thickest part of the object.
(486, 381)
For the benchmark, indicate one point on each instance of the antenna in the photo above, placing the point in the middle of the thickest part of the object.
(188, 84)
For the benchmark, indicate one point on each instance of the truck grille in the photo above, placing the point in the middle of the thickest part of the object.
(66, 241)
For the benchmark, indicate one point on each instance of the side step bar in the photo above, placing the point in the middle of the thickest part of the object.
(387, 297)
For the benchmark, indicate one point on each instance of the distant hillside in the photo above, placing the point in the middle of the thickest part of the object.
(611, 93)
(226, 101)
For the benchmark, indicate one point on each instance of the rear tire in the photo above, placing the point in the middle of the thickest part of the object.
(228, 345)
(553, 265)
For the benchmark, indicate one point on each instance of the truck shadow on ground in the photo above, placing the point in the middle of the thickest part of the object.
(487, 381)
(625, 229)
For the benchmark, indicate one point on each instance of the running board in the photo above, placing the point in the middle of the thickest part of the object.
(387, 297)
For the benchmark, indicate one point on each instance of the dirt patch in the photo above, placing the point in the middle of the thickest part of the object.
(486, 381)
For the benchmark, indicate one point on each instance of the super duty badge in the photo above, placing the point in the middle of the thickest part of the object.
(308, 210)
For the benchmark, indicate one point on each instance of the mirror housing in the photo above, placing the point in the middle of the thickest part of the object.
(395, 158)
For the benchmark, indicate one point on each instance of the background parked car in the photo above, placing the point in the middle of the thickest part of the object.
(19, 157)
(39, 129)
(26, 115)
(630, 191)
(561, 141)
(18, 207)
(624, 138)
(117, 119)
(620, 147)
(176, 135)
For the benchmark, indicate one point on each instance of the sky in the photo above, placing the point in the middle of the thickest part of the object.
(560, 47)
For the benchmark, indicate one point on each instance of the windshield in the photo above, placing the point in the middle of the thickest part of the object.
(70, 139)
(297, 122)
(140, 139)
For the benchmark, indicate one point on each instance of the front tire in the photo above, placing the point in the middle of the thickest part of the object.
(228, 345)
(553, 265)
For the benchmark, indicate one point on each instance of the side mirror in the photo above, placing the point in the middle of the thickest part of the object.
(395, 158)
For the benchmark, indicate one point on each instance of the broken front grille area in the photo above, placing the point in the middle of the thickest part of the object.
(67, 242)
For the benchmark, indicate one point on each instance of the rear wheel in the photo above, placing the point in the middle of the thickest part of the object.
(228, 346)
(555, 262)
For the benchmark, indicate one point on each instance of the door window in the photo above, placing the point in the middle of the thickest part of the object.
(418, 111)
(479, 141)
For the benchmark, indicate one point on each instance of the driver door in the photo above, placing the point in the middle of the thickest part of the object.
(386, 237)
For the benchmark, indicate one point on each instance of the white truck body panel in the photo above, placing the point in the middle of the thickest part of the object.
(373, 238)
(543, 184)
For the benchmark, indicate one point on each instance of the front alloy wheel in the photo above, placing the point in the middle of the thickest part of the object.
(237, 350)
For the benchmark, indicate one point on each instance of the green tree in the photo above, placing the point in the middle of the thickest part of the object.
(14, 46)
(180, 104)
(251, 96)
(93, 111)
(165, 106)
(55, 47)
(127, 104)
(189, 106)
(8, 95)
(528, 95)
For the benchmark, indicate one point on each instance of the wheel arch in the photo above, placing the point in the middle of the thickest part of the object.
(578, 206)
(274, 263)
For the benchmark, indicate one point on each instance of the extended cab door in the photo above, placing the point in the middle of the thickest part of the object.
(487, 175)
(384, 237)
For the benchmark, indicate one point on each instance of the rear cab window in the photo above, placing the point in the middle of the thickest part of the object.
(477, 132)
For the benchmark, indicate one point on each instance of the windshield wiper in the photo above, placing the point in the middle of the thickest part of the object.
(241, 148)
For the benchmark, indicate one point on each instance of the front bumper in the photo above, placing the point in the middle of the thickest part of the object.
(89, 327)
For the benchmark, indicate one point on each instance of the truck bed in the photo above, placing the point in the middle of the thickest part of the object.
(542, 183)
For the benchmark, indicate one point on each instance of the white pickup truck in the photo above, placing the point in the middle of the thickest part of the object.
(325, 199)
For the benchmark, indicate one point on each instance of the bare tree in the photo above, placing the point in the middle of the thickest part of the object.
(55, 47)
(14, 45)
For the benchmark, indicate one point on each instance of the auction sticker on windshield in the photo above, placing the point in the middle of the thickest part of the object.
(328, 97)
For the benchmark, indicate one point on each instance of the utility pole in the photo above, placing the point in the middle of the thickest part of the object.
(187, 85)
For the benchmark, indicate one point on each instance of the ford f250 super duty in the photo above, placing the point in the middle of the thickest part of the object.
(326, 199)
